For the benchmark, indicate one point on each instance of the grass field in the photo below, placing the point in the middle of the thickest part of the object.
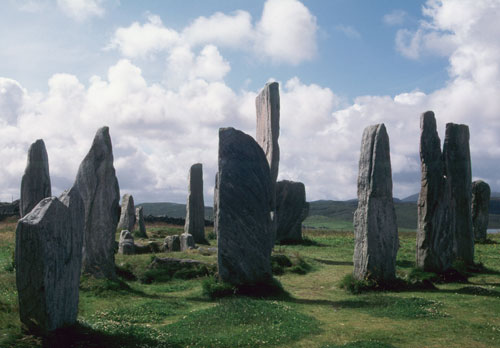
(169, 311)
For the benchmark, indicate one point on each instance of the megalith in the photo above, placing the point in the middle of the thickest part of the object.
(139, 218)
(195, 207)
(375, 228)
(126, 244)
(456, 155)
(481, 193)
(291, 210)
(127, 216)
(98, 185)
(35, 184)
(172, 243)
(434, 232)
(48, 262)
(186, 241)
(244, 226)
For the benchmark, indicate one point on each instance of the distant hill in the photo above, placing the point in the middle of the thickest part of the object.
(413, 198)
(171, 209)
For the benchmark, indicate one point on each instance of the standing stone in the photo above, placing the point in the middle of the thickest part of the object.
(481, 193)
(187, 241)
(195, 207)
(268, 129)
(48, 262)
(172, 243)
(216, 202)
(434, 233)
(291, 210)
(244, 226)
(126, 244)
(456, 155)
(127, 216)
(375, 225)
(139, 218)
(98, 185)
(35, 184)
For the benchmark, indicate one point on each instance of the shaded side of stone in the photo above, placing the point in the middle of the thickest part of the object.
(195, 207)
(291, 210)
(35, 183)
(375, 228)
(127, 216)
(481, 193)
(456, 155)
(434, 234)
(141, 225)
(244, 230)
(96, 180)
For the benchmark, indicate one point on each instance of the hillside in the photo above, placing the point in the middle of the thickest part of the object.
(171, 209)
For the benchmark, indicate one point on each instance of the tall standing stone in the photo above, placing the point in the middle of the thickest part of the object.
(98, 185)
(48, 262)
(195, 207)
(375, 227)
(481, 193)
(35, 184)
(434, 233)
(291, 210)
(139, 218)
(268, 129)
(244, 225)
(127, 216)
(456, 155)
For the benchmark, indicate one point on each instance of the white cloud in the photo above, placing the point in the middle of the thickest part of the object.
(396, 17)
(80, 10)
(348, 31)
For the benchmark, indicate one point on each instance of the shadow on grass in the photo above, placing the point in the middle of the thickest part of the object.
(486, 241)
(405, 263)
(334, 263)
(360, 344)
(304, 242)
(475, 291)
(108, 287)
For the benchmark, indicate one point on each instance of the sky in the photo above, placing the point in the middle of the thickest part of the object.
(166, 75)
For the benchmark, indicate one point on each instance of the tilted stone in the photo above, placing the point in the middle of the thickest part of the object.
(434, 233)
(172, 243)
(481, 193)
(126, 244)
(456, 155)
(195, 207)
(127, 216)
(98, 185)
(291, 210)
(375, 228)
(187, 241)
(49, 243)
(35, 184)
(244, 231)
(139, 218)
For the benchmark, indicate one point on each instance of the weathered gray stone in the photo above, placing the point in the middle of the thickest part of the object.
(456, 155)
(172, 243)
(35, 184)
(291, 210)
(375, 225)
(49, 243)
(187, 242)
(216, 201)
(127, 216)
(244, 230)
(481, 193)
(195, 207)
(98, 185)
(434, 233)
(126, 244)
(139, 218)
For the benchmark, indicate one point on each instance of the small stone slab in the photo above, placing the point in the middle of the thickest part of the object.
(481, 193)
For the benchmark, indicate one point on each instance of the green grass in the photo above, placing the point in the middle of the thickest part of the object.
(314, 312)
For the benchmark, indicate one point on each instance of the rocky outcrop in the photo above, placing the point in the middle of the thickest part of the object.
(434, 233)
(48, 262)
(126, 244)
(35, 184)
(291, 210)
(195, 207)
(141, 225)
(456, 155)
(375, 228)
(244, 228)
(127, 216)
(481, 193)
(98, 185)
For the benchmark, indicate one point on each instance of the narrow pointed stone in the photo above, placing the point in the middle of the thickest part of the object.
(139, 218)
(195, 207)
(127, 216)
(434, 233)
(481, 193)
(244, 237)
(375, 228)
(456, 155)
(96, 180)
(35, 184)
